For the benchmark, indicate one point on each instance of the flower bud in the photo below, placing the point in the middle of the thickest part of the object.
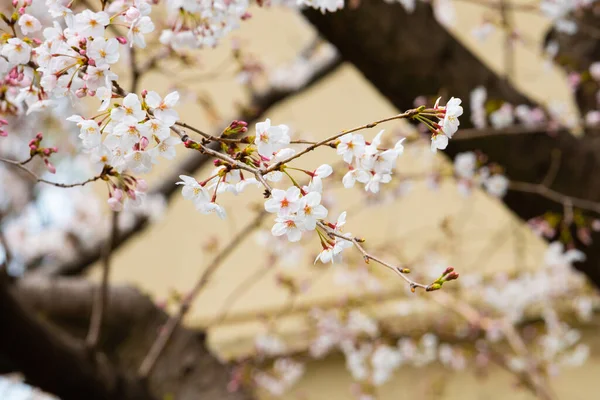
(142, 185)
(115, 204)
(117, 194)
(121, 39)
(50, 166)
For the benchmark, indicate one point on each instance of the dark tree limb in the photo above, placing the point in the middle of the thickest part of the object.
(408, 55)
(54, 361)
(187, 370)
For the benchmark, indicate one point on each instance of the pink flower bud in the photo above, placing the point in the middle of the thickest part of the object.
(115, 204)
(14, 73)
(39, 136)
(46, 152)
(3, 133)
(246, 16)
(15, 3)
(121, 39)
(131, 194)
(117, 194)
(80, 93)
(144, 93)
(54, 149)
(144, 143)
(21, 10)
(50, 167)
(91, 62)
(33, 147)
(82, 52)
(142, 185)
(132, 14)
(37, 41)
(3, 122)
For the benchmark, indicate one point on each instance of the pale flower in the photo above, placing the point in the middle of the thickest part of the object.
(351, 146)
(311, 210)
(89, 23)
(464, 165)
(496, 185)
(288, 225)
(192, 190)
(29, 23)
(130, 111)
(354, 175)
(16, 51)
(439, 141)
(453, 110)
(283, 202)
(270, 139)
(104, 51)
(163, 108)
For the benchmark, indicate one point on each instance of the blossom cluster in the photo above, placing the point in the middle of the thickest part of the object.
(131, 135)
(471, 174)
(73, 56)
(367, 163)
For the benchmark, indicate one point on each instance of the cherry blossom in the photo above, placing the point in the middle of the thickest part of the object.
(284, 202)
(29, 24)
(163, 108)
(270, 139)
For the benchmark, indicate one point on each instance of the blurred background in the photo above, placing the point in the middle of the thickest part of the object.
(269, 301)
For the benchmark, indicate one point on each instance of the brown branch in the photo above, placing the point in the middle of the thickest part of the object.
(187, 371)
(101, 296)
(54, 361)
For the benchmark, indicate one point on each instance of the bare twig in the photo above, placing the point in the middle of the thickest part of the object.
(21, 165)
(368, 257)
(165, 334)
(101, 296)
(544, 191)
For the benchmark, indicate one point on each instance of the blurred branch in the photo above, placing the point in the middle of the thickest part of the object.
(55, 361)
(531, 376)
(187, 370)
(101, 296)
(174, 321)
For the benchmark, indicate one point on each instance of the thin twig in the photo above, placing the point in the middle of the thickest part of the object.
(20, 165)
(167, 331)
(101, 296)
(367, 257)
(554, 167)
(544, 191)
(405, 115)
